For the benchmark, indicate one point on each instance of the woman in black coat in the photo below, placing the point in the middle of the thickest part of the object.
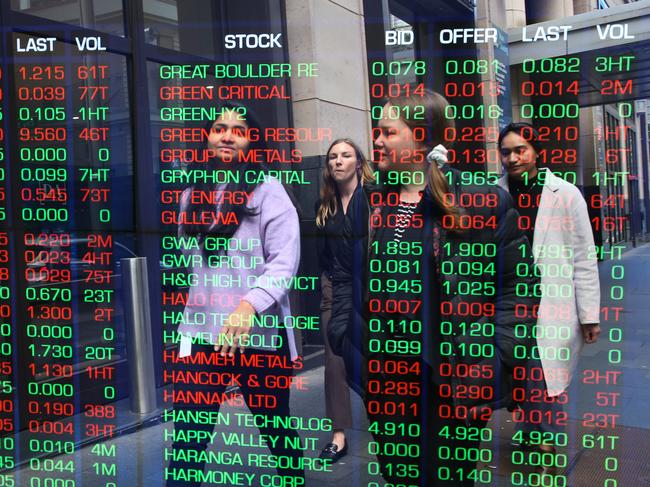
(345, 173)
(427, 294)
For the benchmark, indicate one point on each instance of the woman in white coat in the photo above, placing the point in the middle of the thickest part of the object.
(554, 214)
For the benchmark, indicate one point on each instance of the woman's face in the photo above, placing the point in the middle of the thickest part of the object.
(518, 156)
(342, 161)
(396, 146)
(228, 136)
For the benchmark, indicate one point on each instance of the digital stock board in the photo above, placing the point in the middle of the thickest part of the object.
(395, 243)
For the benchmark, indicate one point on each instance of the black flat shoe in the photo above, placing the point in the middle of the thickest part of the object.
(524, 445)
(332, 452)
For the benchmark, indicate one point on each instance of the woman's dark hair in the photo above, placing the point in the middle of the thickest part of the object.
(526, 131)
(222, 227)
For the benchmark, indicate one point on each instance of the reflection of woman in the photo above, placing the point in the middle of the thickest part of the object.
(243, 237)
(555, 214)
(426, 325)
(345, 170)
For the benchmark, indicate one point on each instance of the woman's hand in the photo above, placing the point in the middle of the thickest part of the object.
(590, 332)
(236, 330)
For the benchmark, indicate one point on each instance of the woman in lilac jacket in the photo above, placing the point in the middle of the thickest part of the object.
(244, 240)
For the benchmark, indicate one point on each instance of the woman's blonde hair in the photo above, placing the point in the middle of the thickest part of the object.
(433, 124)
(329, 188)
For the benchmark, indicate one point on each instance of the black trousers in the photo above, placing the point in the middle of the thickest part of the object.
(338, 406)
(255, 378)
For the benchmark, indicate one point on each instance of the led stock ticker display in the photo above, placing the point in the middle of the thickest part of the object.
(431, 312)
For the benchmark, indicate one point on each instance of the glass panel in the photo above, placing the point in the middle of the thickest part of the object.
(182, 26)
(199, 27)
(102, 15)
